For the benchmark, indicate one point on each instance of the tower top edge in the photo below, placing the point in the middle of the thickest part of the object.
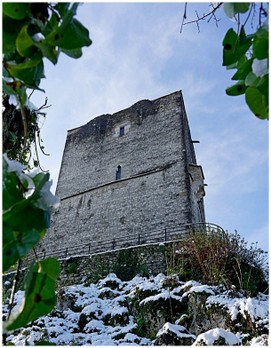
(133, 106)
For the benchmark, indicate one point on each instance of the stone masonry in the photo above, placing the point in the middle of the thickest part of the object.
(128, 173)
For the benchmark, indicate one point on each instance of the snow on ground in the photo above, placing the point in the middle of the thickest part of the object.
(178, 330)
(99, 314)
(213, 335)
(256, 308)
(200, 288)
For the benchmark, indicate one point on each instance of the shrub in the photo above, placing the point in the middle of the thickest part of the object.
(218, 257)
(128, 265)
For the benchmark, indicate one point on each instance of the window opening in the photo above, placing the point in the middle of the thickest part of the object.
(122, 131)
(118, 173)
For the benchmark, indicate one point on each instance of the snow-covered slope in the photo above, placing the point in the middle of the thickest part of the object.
(158, 310)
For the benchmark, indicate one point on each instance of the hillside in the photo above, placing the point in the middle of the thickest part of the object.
(160, 310)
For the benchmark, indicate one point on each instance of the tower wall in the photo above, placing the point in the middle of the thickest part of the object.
(128, 173)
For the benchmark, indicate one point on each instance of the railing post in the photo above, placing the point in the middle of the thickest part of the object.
(89, 247)
(165, 234)
(113, 244)
(138, 241)
(66, 252)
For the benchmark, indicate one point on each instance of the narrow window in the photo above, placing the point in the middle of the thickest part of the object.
(122, 131)
(118, 173)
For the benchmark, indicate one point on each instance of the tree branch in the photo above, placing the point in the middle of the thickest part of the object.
(210, 14)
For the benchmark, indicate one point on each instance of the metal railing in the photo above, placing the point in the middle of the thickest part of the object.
(151, 237)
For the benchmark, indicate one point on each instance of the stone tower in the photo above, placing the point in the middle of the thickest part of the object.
(127, 174)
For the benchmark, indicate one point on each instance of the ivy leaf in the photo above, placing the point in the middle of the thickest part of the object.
(11, 29)
(39, 180)
(232, 8)
(40, 295)
(16, 245)
(63, 7)
(257, 102)
(76, 53)
(7, 87)
(23, 227)
(244, 67)
(51, 25)
(237, 89)
(263, 87)
(252, 79)
(28, 62)
(30, 76)
(229, 47)
(260, 43)
(71, 34)
(234, 46)
(16, 10)
(24, 223)
(48, 51)
(24, 216)
(24, 43)
(10, 253)
(10, 191)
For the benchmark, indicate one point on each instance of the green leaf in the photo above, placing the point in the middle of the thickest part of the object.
(244, 68)
(252, 79)
(10, 190)
(29, 62)
(71, 34)
(257, 102)
(18, 245)
(15, 10)
(245, 40)
(48, 51)
(237, 89)
(15, 88)
(40, 295)
(261, 44)
(63, 7)
(30, 76)
(76, 53)
(24, 43)
(51, 25)
(11, 29)
(10, 253)
(24, 224)
(229, 47)
(232, 8)
(7, 87)
(263, 87)
(40, 179)
(234, 46)
(241, 7)
(24, 216)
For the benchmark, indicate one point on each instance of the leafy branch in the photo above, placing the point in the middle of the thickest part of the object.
(31, 33)
(248, 53)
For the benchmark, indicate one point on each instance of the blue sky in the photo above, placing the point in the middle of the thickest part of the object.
(139, 53)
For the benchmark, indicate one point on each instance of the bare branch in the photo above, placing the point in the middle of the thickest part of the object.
(210, 15)
(249, 13)
(184, 16)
